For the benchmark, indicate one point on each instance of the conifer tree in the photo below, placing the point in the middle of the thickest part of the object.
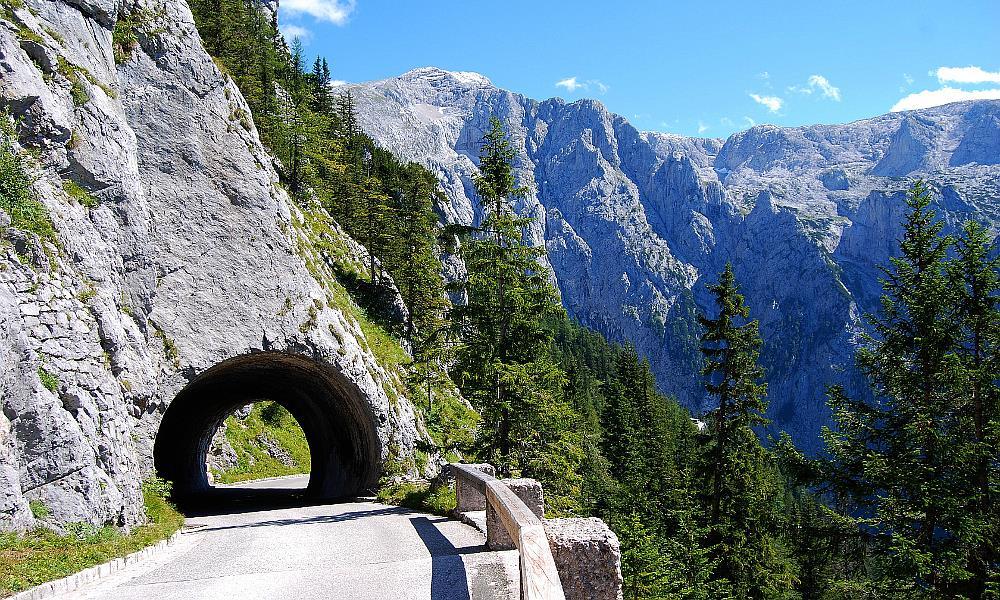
(903, 456)
(502, 364)
(741, 490)
(976, 277)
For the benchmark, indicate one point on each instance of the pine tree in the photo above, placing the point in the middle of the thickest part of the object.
(742, 490)
(502, 363)
(901, 457)
(976, 277)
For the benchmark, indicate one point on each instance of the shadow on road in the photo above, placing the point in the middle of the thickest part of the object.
(317, 520)
(233, 500)
(448, 578)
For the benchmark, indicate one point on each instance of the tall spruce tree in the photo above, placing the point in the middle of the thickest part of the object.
(975, 273)
(903, 456)
(741, 490)
(503, 365)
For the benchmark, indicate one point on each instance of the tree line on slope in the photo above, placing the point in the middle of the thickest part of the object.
(905, 504)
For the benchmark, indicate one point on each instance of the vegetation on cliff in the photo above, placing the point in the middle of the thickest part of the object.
(267, 442)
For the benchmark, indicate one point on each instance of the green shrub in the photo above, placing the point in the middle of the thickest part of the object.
(79, 194)
(125, 37)
(274, 414)
(17, 198)
(87, 293)
(75, 139)
(419, 495)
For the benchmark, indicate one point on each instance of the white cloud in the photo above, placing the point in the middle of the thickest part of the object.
(945, 95)
(290, 32)
(749, 121)
(702, 128)
(773, 103)
(334, 11)
(966, 75)
(824, 85)
(726, 121)
(817, 83)
(570, 84)
(908, 78)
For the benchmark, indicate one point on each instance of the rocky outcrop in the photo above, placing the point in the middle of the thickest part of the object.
(183, 252)
(636, 223)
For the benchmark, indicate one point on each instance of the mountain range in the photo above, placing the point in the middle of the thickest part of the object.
(637, 223)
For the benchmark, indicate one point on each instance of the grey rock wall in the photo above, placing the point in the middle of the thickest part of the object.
(192, 255)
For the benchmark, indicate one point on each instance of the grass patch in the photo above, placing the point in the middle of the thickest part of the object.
(79, 194)
(42, 555)
(17, 198)
(78, 91)
(38, 509)
(125, 37)
(169, 348)
(86, 293)
(419, 495)
(50, 381)
(268, 421)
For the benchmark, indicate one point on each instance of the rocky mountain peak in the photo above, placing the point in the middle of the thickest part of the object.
(636, 223)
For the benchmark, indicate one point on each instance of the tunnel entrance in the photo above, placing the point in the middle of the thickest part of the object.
(344, 445)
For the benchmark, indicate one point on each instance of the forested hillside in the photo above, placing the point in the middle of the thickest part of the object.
(906, 505)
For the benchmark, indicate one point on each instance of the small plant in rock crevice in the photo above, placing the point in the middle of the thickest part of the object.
(78, 193)
(50, 381)
(39, 509)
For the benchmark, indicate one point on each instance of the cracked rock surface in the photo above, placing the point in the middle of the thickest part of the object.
(190, 254)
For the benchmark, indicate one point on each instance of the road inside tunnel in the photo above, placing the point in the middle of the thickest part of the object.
(344, 446)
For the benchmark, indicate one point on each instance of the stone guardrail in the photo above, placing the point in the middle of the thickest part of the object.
(539, 577)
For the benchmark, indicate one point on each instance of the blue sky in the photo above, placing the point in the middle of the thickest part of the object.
(694, 68)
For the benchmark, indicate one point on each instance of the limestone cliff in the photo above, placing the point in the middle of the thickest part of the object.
(182, 252)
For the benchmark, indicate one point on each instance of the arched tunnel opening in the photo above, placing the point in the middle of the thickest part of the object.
(344, 445)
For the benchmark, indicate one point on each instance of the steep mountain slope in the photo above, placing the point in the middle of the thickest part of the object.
(174, 249)
(636, 222)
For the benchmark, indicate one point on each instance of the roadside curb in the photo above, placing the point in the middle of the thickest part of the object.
(73, 582)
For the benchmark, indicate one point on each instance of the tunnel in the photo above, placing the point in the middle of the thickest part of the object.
(336, 418)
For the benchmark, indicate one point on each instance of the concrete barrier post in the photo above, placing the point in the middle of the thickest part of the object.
(468, 498)
(588, 558)
(530, 492)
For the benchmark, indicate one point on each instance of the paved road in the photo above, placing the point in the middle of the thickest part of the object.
(351, 551)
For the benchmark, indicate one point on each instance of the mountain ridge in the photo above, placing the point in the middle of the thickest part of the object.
(636, 223)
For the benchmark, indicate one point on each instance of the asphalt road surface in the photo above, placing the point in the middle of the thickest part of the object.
(351, 551)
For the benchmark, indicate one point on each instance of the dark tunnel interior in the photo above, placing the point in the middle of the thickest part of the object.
(343, 441)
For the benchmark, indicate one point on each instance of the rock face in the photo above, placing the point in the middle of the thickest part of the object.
(636, 223)
(588, 556)
(190, 255)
